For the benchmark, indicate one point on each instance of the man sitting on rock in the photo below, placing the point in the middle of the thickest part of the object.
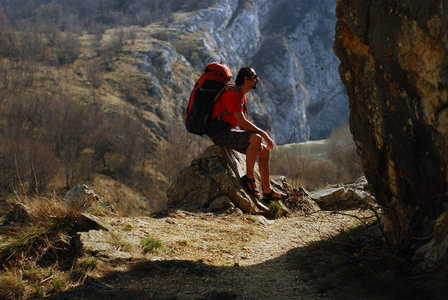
(247, 139)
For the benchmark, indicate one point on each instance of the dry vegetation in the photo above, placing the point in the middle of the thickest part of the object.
(319, 164)
(73, 109)
(34, 254)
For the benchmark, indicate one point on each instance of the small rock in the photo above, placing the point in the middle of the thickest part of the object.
(19, 213)
(81, 196)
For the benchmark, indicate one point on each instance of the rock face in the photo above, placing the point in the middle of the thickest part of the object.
(394, 65)
(289, 43)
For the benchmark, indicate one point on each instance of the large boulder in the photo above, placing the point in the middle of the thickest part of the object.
(394, 65)
(207, 181)
(212, 182)
(19, 213)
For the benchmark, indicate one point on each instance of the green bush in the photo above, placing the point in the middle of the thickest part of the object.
(151, 245)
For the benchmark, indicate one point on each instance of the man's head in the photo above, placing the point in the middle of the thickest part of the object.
(247, 76)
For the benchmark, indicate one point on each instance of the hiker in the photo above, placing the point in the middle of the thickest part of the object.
(247, 139)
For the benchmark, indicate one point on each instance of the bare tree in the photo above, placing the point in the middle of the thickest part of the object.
(94, 73)
(66, 48)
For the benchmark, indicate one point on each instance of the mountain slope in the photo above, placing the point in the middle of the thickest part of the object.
(289, 43)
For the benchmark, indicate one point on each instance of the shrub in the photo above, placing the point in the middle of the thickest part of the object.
(67, 48)
(181, 148)
(275, 207)
(94, 73)
(151, 245)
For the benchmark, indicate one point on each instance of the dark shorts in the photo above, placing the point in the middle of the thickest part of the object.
(236, 139)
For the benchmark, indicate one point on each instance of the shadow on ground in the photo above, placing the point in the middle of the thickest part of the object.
(327, 269)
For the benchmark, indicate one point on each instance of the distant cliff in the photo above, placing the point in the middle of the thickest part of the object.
(288, 42)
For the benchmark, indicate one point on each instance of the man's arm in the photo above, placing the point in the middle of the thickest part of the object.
(248, 125)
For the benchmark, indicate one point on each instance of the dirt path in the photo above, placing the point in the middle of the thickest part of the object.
(204, 256)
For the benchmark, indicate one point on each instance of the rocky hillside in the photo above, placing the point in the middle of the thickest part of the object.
(288, 42)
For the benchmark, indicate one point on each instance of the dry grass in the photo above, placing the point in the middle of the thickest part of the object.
(98, 88)
(36, 253)
(318, 164)
(50, 221)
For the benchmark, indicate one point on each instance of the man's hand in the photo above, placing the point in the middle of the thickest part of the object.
(248, 125)
(268, 140)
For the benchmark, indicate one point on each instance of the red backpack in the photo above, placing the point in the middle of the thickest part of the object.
(207, 90)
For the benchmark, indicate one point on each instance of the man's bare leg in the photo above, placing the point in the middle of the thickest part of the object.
(265, 171)
(251, 154)
(264, 167)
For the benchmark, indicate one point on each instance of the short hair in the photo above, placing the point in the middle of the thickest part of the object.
(244, 72)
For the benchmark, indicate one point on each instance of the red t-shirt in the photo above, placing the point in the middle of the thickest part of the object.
(230, 101)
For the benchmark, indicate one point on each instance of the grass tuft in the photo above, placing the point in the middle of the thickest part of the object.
(151, 245)
(28, 247)
(51, 221)
(12, 285)
(275, 207)
(88, 263)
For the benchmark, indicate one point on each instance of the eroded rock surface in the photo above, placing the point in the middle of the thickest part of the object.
(394, 65)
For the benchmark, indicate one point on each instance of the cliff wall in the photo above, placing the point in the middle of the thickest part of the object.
(394, 65)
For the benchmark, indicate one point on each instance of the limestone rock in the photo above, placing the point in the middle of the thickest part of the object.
(436, 251)
(300, 96)
(210, 179)
(299, 201)
(88, 222)
(221, 203)
(101, 244)
(18, 213)
(342, 198)
(394, 62)
(81, 196)
(95, 237)
(212, 183)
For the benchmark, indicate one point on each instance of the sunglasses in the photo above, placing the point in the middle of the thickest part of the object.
(254, 76)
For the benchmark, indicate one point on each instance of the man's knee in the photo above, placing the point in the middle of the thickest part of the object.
(255, 139)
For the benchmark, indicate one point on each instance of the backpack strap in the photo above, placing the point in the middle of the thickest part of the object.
(227, 87)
